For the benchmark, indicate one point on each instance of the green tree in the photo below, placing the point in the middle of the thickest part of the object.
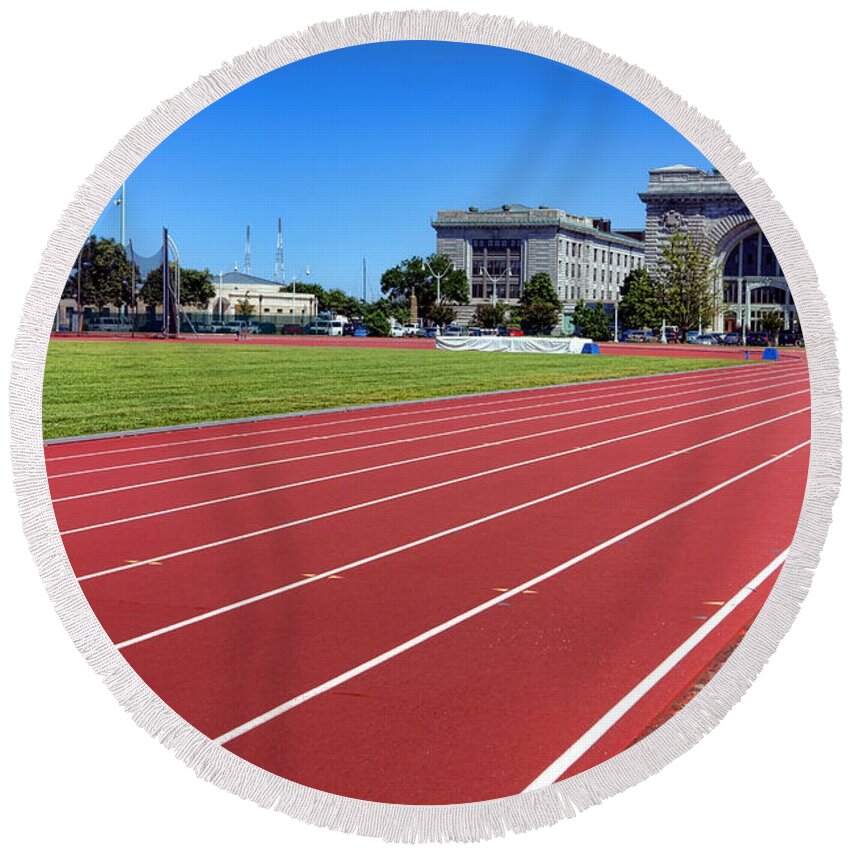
(772, 323)
(339, 303)
(442, 314)
(376, 322)
(244, 308)
(639, 301)
(104, 274)
(196, 287)
(592, 321)
(392, 309)
(490, 315)
(539, 308)
(399, 282)
(686, 284)
(540, 288)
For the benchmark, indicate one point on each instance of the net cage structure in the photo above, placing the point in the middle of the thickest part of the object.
(145, 296)
(120, 290)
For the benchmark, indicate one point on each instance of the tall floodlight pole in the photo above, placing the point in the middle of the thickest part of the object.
(307, 274)
(364, 278)
(292, 310)
(166, 306)
(247, 266)
(80, 290)
(121, 202)
(133, 304)
(220, 304)
(449, 268)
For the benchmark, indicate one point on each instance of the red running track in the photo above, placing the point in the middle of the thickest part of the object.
(445, 601)
(714, 352)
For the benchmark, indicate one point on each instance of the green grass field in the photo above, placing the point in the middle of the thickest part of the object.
(92, 387)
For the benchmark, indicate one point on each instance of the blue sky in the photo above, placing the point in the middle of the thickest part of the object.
(357, 149)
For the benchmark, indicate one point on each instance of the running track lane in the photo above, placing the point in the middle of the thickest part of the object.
(319, 492)
(172, 587)
(402, 589)
(621, 349)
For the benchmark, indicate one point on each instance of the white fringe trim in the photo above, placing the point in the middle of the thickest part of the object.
(471, 821)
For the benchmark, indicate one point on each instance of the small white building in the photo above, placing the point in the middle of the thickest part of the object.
(271, 301)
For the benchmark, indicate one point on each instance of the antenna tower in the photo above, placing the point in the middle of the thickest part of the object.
(279, 271)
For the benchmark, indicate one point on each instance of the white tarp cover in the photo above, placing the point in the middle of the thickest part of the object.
(522, 344)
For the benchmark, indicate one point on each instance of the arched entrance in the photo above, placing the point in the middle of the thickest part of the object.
(754, 284)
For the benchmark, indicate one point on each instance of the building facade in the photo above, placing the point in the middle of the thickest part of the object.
(501, 249)
(271, 301)
(682, 199)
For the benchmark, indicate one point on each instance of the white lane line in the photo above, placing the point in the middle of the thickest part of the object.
(509, 397)
(437, 535)
(265, 717)
(751, 387)
(260, 532)
(573, 753)
(393, 427)
(448, 452)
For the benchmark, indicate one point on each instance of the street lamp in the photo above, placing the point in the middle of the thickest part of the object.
(617, 316)
(494, 280)
(449, 268)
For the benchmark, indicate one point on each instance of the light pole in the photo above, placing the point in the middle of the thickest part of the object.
(617, 316)
(121, 202)
(439, 277)
(494, 280)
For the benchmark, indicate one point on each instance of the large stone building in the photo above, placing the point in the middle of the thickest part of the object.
(501, 249)
(683, 199)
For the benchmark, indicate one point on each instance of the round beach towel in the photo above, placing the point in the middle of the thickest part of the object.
(417, 424)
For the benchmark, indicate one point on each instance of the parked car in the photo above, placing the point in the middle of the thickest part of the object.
(453, 330)
(758, 338)
(292, 329)
(109, 324)
(473, 331)
(410, 329)
(732, 338)
(320, 327)
(396, 331)
(704, 339)
(429, 333)
(634, 336)
(239, 327)
(790, 338)
(360, 331)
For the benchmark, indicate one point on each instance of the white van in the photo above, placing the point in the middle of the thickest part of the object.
(335, 327)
